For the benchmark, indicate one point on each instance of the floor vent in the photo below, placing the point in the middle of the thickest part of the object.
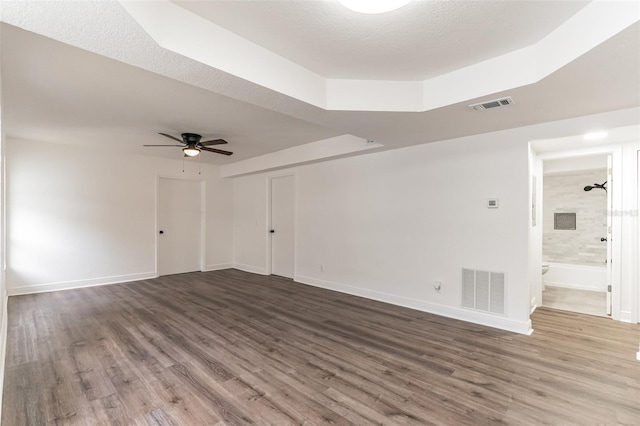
(481, 106)
(483, 290)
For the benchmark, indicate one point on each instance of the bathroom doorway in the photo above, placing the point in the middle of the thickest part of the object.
(576, 234)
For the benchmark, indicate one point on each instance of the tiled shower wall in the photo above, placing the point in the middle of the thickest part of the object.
(564, 193)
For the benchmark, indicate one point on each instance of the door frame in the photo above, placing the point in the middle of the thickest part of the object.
(203, 216)
(615, 152)
(269, 249)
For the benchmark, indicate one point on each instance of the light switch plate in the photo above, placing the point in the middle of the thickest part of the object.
(492, 203)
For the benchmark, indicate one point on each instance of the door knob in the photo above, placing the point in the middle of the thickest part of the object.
(161, 232)
(603, 239)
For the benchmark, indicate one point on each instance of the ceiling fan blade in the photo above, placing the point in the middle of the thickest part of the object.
(171, 137)
(163, 145)
(213, 142)
(217, 151)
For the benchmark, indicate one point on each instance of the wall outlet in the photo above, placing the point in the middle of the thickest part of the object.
(437, 285)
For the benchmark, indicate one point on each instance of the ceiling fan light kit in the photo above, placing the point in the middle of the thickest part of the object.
(191, 151)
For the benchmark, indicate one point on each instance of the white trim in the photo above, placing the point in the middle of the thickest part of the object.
(217, 267)
(3, 345)
(591, 151)
(69, 285)
(268, 257)
(636, 271)
(4, 220)
(522, 327)
(249, 268)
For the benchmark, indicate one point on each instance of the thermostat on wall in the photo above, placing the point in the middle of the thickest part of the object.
(492, 203)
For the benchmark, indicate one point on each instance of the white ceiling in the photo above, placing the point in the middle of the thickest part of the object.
(57, 93)
(421, 40)
(99, 80)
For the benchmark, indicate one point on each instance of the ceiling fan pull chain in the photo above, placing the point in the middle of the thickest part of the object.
(199, 164)
(182, 164)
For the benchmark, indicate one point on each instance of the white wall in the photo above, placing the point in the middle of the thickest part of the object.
(3, 289)
(387, 225)
(77, 217)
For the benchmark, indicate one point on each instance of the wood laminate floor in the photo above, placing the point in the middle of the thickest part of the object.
(231, 348)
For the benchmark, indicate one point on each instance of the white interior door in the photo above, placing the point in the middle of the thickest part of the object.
(179, 228)
(282, 226)
(609, 224)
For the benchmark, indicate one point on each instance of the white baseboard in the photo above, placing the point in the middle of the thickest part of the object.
(249, 268)
(573, 286)
(69, 285)
(3, 344)
(481, 318)
(217, 267)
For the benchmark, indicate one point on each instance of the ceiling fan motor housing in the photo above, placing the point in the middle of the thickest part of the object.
(191, 138)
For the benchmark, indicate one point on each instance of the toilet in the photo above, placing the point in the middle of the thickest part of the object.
(545, 268)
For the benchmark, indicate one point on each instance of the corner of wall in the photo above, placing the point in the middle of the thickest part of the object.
(249, 268)
(217, 267)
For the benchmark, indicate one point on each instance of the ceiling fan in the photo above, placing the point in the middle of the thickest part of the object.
(191, 145)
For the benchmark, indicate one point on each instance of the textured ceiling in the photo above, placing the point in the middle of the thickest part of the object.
(99, 80)
(57, 93)
(421, 40)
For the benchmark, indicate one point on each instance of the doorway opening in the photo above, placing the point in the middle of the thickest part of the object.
(576, 234)
(180, 219)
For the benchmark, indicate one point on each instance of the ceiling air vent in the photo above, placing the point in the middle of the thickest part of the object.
(492, 104)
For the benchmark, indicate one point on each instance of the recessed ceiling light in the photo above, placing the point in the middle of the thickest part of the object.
(373, 6)
(593, 136)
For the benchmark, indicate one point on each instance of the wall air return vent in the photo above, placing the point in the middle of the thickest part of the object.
(492, 104)
(483, 290)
